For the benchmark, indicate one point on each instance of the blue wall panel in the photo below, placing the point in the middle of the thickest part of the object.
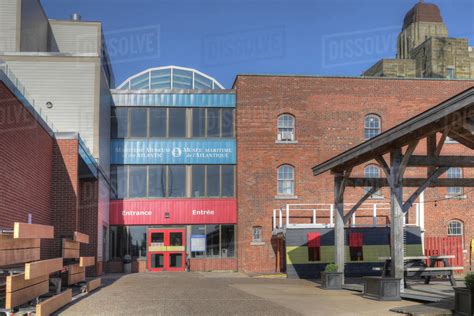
(175, 99)
(172, 151)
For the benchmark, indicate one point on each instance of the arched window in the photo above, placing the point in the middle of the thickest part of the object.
(372, 126)
(286, 128)
(286, 180)
(455, 173)
(455, 228)
(372, 171)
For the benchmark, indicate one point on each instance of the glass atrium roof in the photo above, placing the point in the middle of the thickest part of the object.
(170, 77)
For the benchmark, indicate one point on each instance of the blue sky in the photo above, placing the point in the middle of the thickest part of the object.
(226, 37)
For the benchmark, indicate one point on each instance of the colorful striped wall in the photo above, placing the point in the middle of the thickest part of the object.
(375, 243)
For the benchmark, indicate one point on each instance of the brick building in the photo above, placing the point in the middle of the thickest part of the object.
(48, 178)
(325, 116)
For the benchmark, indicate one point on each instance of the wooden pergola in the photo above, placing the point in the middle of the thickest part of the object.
(452, 118)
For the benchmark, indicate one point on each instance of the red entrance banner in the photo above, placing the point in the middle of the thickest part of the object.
(173, 211)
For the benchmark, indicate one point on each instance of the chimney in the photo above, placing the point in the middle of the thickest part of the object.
(75, 17)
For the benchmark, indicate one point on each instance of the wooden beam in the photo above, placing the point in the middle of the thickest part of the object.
(462, 136)
(358, 204)
(437, 161)
(16, 251)
(343, 183)
(75, 268)
(403, 165)
(76, 278)
(80, 237)
(52, 304)
(441, 142)
(24, 291)
(438, 172)
(94, 284)
(17, 282)
(411, 182)
(339, 257)
(24, 230)
(86, 261)
(44, 267)
(71, 249)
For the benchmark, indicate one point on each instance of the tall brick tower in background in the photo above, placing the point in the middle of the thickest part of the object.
(424, 49)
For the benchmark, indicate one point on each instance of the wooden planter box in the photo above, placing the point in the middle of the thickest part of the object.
(331, 280)
(382, 289)
(463, 301)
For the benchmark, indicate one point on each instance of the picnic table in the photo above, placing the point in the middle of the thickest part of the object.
(415, 266)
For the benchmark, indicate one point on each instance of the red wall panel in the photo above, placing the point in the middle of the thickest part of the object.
(173, 211)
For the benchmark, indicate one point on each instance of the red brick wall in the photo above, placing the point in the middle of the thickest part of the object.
(88, 221)
(227, 264)
(25, 167)
(329, 119)
(65, 188)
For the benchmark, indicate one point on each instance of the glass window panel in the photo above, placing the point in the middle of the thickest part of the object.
(137, 180)
(372, 171)
(371, 126)
(454, 173)
(213, 122)
(156, 181)
(119, 122)
(286, 182)
(161, 79)
(198, 178)
(140, 82)
(212, 240)
(227, 123)
(227, 180)
(182, 79)
(119, 181)
(455, 228)
(138, 122)
(201, 82)
(176, 239)
(176, 260)
(158, 122)
(157, 260)
(137, 241)
(158, 238)
(227, 241)
(199, 122)
(213, 181)
(177, 122)
(177, 181)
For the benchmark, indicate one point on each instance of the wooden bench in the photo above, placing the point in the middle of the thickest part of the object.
(415, 267)
(20, 291)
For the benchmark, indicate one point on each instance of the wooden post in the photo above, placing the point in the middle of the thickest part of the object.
(339, 222)
(396, 211)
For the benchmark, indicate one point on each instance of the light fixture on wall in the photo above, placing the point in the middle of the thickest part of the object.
(49, 105)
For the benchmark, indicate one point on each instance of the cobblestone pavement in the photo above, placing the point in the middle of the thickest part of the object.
(220, 294)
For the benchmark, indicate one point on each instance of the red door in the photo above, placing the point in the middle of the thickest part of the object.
(166, 250)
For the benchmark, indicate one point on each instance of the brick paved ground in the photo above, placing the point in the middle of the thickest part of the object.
(221, 294)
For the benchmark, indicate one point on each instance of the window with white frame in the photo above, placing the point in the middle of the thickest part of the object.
(286, 128)
(456, 229)
(372, 126)
(257, 234)
(372, 171)
(286, 180)
(455, 173)
(450, 73)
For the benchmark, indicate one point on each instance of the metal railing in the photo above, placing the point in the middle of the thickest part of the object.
(321, 215)
(11, 80)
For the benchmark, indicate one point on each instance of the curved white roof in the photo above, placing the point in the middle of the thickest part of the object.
(170, 77)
